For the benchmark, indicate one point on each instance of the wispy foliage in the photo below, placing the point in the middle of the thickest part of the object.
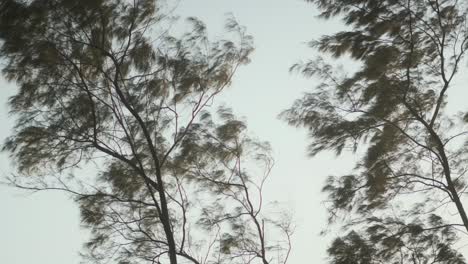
(104, 82)
(393, 107)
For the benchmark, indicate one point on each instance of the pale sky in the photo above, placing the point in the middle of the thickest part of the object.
(44, 228)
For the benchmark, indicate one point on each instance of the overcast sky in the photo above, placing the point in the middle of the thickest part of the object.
(44, 228)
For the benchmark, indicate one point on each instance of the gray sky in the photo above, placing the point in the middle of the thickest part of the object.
(44, 228)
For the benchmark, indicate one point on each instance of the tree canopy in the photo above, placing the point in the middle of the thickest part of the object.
(120, 112)
(104, 84)
(391, 111)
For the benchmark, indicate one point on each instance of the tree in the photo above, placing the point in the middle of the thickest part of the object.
(103, 84)
(392, 111)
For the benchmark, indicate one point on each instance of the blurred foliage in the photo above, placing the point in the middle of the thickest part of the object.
(103, 83)
(391, 110)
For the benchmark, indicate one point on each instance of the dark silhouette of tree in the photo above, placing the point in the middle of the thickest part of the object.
(103, 84)
(392, 111)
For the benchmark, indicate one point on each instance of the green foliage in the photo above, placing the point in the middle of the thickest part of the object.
(104, 83)
(389, 240)
(391, 109)
(351, 249)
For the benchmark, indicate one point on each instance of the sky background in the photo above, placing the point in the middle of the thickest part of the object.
(44, 228)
